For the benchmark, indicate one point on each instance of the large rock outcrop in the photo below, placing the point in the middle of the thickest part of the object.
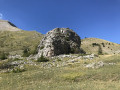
(59, 41)
(7, 26)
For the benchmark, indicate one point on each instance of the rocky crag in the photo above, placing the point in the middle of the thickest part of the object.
(59, 41)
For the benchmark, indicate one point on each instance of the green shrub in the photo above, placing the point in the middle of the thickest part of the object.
(95, 44)
(16, 59)
(26, 52)
(6, 64)
(41, 47)
(82, 51)
(59, 59)
(3, 56)
(100, 51)
(103, 44)
(72, 50)
(35, 50)
(42, 59)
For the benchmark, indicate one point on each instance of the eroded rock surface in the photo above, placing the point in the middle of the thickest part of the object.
(59, 41)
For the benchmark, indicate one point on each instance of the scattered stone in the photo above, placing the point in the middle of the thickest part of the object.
(111, 63)
(98, 64)
(95, 65)
(18, 69)
(15, 57)
(16, 63)
(89, 56)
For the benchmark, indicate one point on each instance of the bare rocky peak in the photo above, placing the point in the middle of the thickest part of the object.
(59, 41)
(7, 26)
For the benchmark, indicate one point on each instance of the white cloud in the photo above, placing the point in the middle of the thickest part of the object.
(1, 15)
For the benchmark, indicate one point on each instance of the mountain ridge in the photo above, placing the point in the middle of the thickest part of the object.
(6, 25)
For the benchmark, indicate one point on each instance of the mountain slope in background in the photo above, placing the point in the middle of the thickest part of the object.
(14, 40)
(99, 46)
(7, 26)
(63, 72)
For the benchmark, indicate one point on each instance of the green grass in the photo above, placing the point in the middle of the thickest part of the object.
(71, 77)
(15, 42)
(42, 59)
(99, 46)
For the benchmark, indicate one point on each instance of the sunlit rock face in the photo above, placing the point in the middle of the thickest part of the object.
(59, 41)
(7, 26)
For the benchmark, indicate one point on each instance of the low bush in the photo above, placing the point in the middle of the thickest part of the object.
(3, 56)
(41, 47)
(5, 64)
(42, 59)
(26, 52)
(59, 59)
(35, 51)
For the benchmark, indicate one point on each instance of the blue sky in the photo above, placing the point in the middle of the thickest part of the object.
(89, 18)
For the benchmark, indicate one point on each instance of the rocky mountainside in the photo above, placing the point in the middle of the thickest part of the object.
(99, 46)
(59, 41)
(7, 26)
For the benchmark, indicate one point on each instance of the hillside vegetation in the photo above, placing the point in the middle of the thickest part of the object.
(98, 69)
(74, 76)
(16, 42)
(99, 46)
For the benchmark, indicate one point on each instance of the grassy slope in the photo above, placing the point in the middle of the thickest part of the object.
(110, 48)
(16, 41)
(71, 77)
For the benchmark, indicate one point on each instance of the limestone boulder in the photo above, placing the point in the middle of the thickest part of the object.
(59, 41)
